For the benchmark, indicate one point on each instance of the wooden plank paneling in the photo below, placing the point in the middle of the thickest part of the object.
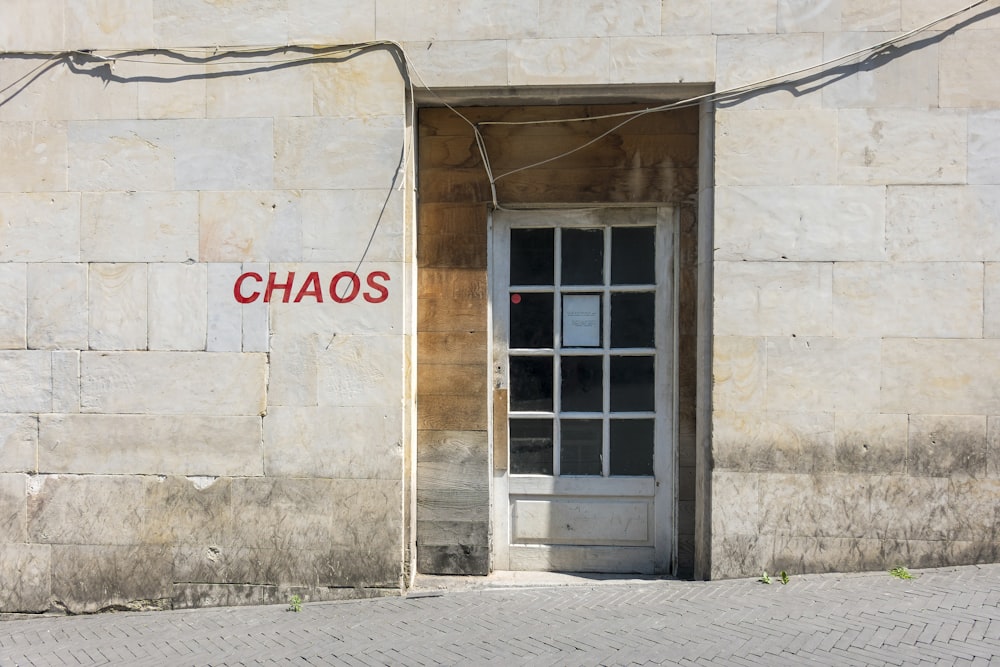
(653, 158)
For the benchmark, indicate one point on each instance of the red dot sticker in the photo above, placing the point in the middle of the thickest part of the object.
(515, 298)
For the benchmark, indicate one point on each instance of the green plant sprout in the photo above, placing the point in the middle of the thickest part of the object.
(764, 579)
(784, 577)
(900, 572)
(295, 604)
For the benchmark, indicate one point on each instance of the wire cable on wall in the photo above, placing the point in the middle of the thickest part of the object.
(243, 60)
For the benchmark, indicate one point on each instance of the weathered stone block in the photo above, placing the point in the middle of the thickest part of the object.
(118, 302)
(352, 442)
(255, 329)
(739, 367)
(818, 505)
(89, 578)
(13, 508)
(686, 17)
(484, 62)
(822, 374)
(598, 19)
(293, 371)
(65, 381)
(331, 220)
(195, 595)
(25, 381)
(801, 442)
(809, 17)
(747, 59)
(225, 314)
(736, 503)
(109, 24)
(750, 16)
(776, 147)
(180, 91)
(332, 22)
(40, 227)
(891, 146)
(283, 514)
(369, 84)
(478, 19)
(139, 227)
(863, 15)
(18, 440)
(178, 306)
(947, 445)
(943, 223)
(224, 154)
(662, 59)
(773, 299)
(893, 79)
(993, 447)
(188, 511)
(558, 61)
(86, 509)
(57, 306)
(337, 153)
(907, 508)
(928, 299)
(197, 23)
(984, 147)
(966, 70)
(360, 370)
(150, 445)
(800, 223)
(273, 92)
(250, 227)
(24, 577)
(58, 93)
(121, 155)
(13, 306)
(740, 555)
(870, 442)
(29, 25)
(957, 377)
(173, 383)
(34, 154)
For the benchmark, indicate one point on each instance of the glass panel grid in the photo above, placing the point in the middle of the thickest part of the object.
(586, 414)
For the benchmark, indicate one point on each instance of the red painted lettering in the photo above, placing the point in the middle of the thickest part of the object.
(355, 287)
(381, 291)
(238, 292)
(286, 287)
(315, 291)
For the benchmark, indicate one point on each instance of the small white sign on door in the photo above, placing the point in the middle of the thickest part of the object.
(581, 320)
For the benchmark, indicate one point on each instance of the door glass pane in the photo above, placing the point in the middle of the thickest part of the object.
(581, 387)
(632, 384)
(631, 447)
(531, 320)
(531, 256)
(583, 257)
(530, 446)
(633, 256)
(632, 320)
(531, 383)
(580, 446)
(581, 320)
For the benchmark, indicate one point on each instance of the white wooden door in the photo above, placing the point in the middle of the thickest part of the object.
(583, 373)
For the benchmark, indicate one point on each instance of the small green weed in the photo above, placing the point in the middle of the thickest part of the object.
(900, 572)
(764, 579)
(295, 603)
(784, 577)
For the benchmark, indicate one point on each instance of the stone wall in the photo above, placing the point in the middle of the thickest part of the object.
(161, 443)
(158, 440)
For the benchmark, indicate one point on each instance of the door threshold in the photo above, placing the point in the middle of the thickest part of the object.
(500, 579)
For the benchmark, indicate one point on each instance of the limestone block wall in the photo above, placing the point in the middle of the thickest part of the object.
(161, 442)
(854, 379)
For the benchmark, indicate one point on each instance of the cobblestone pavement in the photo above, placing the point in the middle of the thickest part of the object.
(943, 616)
